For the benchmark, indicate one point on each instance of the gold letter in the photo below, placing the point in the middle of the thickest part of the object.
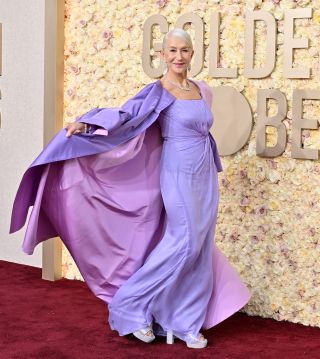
(214, 53)
(232, 119)
(299, 123)
(196, 20)
(147, 45)
(291, 43)
(275, 121)
(270, 58)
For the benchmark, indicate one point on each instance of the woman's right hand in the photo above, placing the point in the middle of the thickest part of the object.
(74, 128)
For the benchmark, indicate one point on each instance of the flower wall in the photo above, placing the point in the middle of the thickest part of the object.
(268, 224)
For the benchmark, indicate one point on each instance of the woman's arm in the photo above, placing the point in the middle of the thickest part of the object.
(109, 118)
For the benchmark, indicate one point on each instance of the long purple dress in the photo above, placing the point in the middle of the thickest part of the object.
(174, 285)
(137, 212)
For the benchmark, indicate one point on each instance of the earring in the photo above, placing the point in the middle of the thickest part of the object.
(189, 67)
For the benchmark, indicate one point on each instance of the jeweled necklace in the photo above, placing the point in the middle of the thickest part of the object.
(187, 88)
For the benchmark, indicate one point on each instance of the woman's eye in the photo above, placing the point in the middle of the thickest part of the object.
(184, 50)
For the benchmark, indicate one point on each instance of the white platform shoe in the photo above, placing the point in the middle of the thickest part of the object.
(196, 343)
(142, 334)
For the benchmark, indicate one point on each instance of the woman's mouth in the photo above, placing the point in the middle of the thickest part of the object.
(179, 65)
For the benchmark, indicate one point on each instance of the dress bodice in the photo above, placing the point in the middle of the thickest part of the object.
(185, 119)
(185, 126)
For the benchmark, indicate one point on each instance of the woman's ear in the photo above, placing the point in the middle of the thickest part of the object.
(162, 54)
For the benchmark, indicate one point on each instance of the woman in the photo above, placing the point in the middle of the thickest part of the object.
(136, 205)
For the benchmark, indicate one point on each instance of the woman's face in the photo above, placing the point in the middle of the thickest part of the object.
(177, 55)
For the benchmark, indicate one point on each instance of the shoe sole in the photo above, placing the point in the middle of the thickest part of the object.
(198, 345)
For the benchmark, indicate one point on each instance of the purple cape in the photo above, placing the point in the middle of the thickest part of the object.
(100, 193)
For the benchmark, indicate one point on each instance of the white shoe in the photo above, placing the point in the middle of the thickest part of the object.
(196, 343)
(142, 334)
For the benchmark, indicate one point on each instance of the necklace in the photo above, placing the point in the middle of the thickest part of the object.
(187, 88)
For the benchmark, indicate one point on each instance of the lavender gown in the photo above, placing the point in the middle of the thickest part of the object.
(174, 285)
(138, 213)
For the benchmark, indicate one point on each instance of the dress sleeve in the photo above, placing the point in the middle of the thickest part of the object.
(207, 91)
(111, 118)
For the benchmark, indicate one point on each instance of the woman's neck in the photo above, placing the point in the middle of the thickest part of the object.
(177, 78)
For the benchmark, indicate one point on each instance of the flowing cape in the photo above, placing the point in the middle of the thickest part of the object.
(100, 193)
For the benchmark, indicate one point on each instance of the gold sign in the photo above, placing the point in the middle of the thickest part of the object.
(237, 118)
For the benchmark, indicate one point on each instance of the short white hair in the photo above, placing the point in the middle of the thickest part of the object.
(179, 33)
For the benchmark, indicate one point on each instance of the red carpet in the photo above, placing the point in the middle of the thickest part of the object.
(60, 320)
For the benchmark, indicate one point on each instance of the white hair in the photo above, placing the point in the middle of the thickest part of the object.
(179, 33)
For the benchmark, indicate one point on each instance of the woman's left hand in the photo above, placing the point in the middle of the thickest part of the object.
(74, 128)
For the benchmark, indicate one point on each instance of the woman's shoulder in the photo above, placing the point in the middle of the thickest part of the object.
(205, 89)
(143, 91)
(147, 86)
(203, 86)
(201, 83)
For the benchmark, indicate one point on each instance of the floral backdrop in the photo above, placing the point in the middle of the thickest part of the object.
(268, 220)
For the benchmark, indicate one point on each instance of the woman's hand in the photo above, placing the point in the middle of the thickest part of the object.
(74, 128)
